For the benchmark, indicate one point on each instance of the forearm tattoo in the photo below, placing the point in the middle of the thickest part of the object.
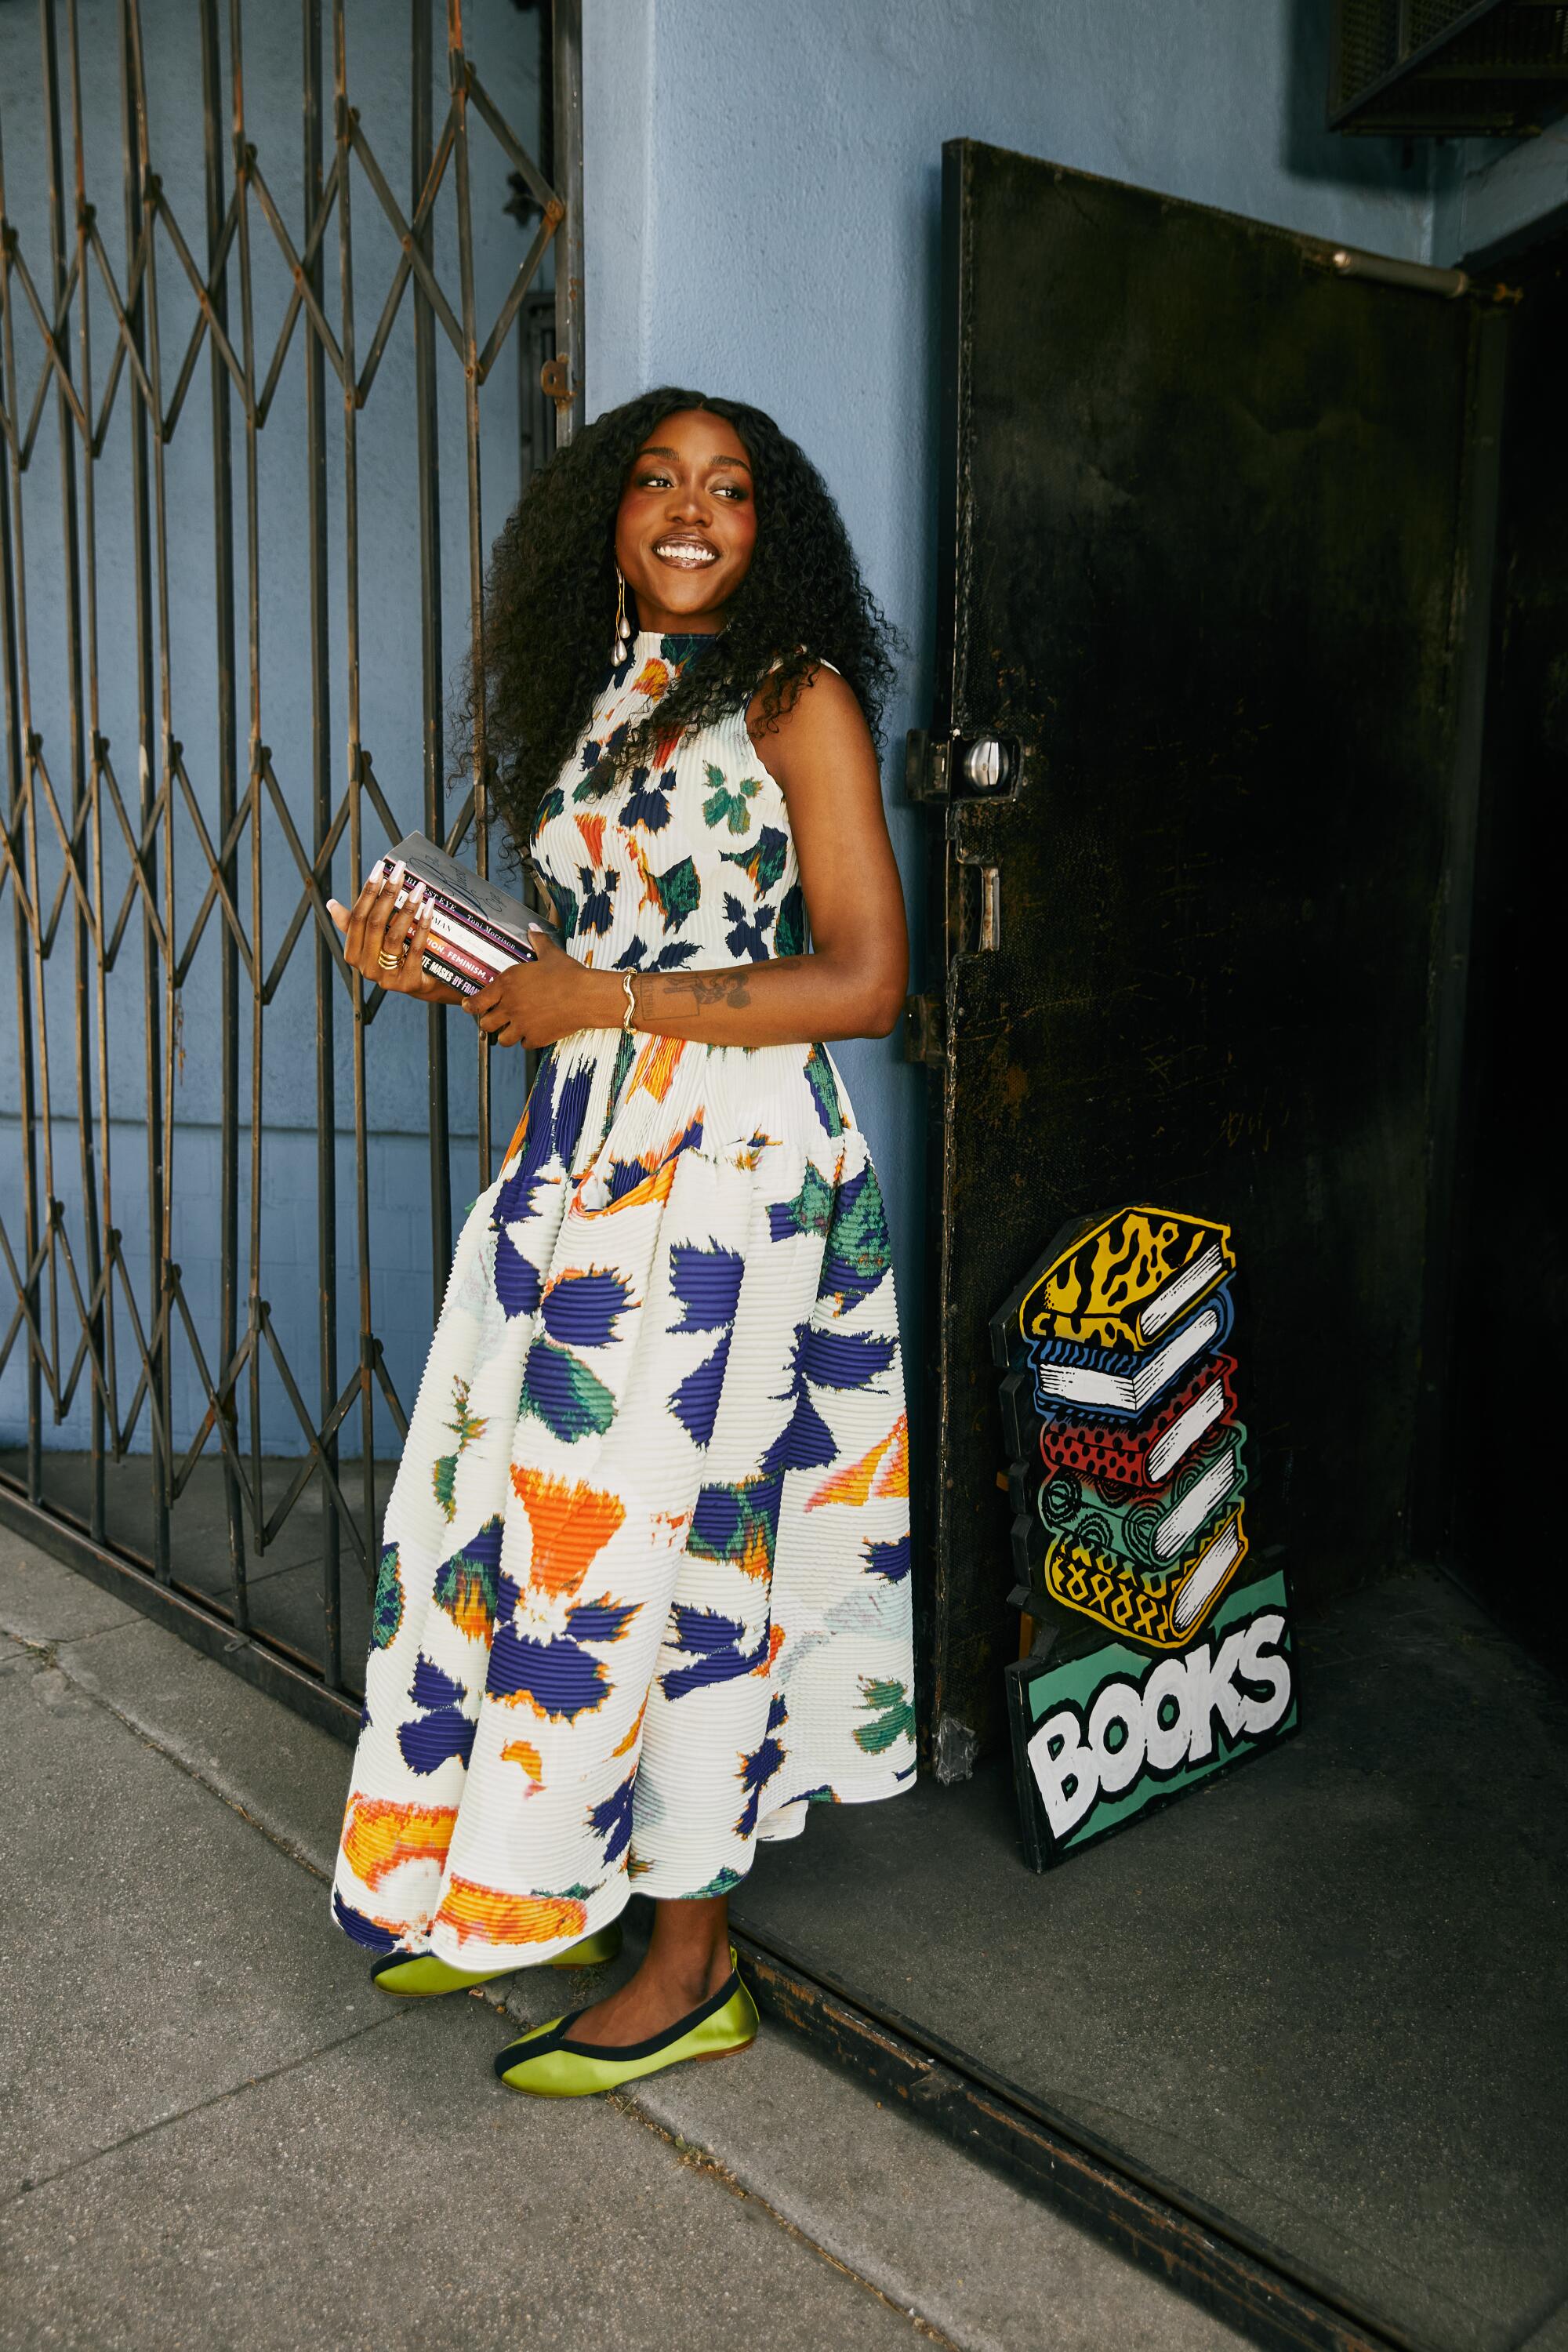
(711, 987)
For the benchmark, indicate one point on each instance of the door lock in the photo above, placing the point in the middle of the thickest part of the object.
(990, 763)
(947, 767)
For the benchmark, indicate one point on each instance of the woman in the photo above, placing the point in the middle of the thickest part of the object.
(644, 1594)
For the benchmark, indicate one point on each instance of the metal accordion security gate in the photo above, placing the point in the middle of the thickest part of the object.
(219, 1181)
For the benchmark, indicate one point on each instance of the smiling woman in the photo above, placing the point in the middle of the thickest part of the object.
(644, 1589)
(689, 510)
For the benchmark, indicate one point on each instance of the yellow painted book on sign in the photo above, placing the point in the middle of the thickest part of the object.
(1123, 1281)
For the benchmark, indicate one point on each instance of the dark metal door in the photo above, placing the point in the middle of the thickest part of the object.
(247, 335)
(1216, 536)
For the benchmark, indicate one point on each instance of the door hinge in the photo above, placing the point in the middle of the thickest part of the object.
(928, 761)
(925, 1029)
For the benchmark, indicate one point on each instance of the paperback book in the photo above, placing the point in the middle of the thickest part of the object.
(477, 930)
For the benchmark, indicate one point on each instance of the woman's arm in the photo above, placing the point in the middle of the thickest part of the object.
(853, 983)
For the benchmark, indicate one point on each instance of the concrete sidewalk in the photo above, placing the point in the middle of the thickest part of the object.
(215, 2134)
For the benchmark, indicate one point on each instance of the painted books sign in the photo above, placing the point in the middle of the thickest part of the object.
(1159, 1655)
(1106, 1733)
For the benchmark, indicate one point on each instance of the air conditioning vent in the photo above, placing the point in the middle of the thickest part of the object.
(1449, 68)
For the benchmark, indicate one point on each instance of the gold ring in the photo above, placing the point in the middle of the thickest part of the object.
(389, 963)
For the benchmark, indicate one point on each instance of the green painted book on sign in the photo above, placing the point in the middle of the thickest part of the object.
(1145, 1530)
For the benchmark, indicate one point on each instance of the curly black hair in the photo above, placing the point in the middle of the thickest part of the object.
(550, 608)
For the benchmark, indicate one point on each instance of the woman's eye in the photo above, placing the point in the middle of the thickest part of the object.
(653, 482)
(731, 491)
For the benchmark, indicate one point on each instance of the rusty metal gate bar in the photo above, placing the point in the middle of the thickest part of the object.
(74, 1307)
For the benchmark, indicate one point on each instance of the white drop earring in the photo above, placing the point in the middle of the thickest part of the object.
(623, 627)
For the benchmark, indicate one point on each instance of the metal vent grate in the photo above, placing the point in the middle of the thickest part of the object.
(1447, 66)
(1368, 44)
(1430, 19)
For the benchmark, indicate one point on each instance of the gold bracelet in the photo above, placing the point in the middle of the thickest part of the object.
(630, 1013)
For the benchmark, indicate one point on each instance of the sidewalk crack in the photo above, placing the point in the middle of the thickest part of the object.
(703, 2160)
(198, 2107)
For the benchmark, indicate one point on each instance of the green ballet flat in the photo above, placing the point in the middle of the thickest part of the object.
(550, 2065)
(420, 1976)
(603, 1944)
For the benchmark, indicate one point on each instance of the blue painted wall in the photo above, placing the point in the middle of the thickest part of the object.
(763, 217)
(1490, 189)
(503, 45)
(762, 220)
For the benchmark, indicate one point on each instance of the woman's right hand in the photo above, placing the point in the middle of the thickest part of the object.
(385, 942)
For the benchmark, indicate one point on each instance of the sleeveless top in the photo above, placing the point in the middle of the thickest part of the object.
(688, 860)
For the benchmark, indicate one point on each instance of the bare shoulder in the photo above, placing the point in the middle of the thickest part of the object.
(824, 722)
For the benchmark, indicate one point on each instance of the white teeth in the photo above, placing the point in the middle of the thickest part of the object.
(683, 553)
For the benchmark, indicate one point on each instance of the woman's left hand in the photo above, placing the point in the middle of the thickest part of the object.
(534, 1003)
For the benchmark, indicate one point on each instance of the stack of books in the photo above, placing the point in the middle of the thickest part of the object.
(476, 931)
(1128, 1454)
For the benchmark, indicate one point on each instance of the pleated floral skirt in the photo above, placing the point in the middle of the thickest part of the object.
(645, 1590)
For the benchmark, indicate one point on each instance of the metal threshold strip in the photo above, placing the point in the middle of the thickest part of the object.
(1243, 2280)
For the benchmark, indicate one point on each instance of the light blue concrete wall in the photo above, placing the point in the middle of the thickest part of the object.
(504, 44)
(763, 217)
(762, 220)
(1490, 189)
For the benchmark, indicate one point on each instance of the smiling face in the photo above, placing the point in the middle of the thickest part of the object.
(687, 522)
